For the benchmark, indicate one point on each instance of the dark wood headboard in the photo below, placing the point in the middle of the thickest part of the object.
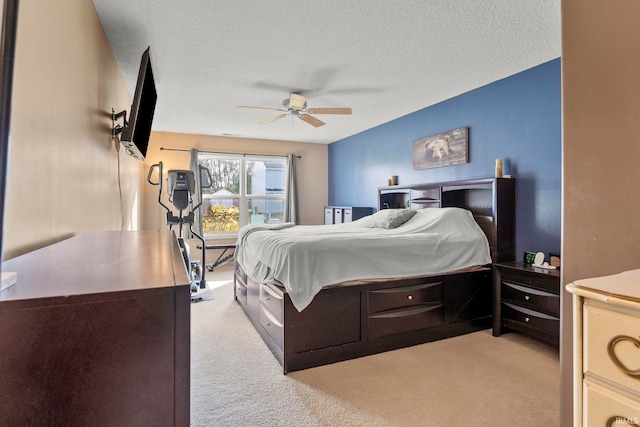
(491, 201)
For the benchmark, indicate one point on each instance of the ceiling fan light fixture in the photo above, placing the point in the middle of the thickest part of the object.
(297, 101)
(296, 105)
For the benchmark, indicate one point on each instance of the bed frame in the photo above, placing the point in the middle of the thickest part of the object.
(351, 320)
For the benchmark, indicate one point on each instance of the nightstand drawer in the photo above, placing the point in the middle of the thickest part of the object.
(529, 319)
(537, 279)
(534, 299)
(407, 296)
(612, 345)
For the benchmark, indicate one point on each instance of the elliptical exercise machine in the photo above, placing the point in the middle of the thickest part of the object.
(181, 186)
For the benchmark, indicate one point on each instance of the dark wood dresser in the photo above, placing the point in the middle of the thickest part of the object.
(97, 332)
(526, 299)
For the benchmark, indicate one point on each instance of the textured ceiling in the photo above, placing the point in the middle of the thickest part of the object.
(384, 59)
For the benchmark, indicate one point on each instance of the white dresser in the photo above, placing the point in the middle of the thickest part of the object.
(606, 345)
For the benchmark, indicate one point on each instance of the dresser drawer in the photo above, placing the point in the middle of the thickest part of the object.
(272, 326)
(515, 315)
(604, 407)
(534, 299)
(601, 328)
(272, 299)
(405, 297)
(405, 320)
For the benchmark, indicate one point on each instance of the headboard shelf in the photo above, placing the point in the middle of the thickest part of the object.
(490, 200)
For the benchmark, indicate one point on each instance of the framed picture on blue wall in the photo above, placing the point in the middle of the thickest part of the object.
(443, 149)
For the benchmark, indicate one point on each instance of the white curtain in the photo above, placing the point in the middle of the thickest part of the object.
(291, 204)
(197, 196)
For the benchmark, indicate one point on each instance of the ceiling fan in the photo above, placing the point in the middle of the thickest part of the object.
(296, 105)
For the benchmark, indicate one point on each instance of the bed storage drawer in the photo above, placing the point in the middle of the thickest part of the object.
(408, 296)
(240, 285)
(393, 322)
(272, 326)
(272, 299)
(240, 274)
(408, 308)
(241, 292)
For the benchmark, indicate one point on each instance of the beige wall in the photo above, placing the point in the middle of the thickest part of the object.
(63, 175)
(601, 149)
(312, 169)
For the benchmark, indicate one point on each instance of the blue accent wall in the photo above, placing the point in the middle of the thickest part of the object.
(517, 119)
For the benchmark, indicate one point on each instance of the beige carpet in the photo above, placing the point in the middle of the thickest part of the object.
(472, 380)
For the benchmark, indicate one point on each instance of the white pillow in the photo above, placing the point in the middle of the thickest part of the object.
(390, 218)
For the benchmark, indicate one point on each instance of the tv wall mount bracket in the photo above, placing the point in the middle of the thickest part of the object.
(116, 128)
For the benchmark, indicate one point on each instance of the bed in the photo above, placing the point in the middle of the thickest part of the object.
(323, 294)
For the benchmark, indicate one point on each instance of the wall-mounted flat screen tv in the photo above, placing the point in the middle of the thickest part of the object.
(135, 134)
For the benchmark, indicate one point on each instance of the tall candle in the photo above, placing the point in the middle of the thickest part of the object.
(498, 168)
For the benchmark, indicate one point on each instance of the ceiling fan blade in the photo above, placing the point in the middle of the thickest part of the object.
(328, 110)
(273, 119)
(297, 101)
(311, 120)
(260, 108)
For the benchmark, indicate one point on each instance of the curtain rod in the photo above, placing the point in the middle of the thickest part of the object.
(233, 154)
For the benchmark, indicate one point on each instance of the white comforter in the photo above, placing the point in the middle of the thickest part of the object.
(304, 259)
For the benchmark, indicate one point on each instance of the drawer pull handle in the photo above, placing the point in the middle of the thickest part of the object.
(526, 319)
(267, 298)
(526, 297)
(267, 324)
(612, 355)
(410, 297)
(618, 419)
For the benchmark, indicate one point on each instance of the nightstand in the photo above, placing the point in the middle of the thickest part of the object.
(526, 299)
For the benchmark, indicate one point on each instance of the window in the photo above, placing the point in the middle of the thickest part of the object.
(245, 190)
